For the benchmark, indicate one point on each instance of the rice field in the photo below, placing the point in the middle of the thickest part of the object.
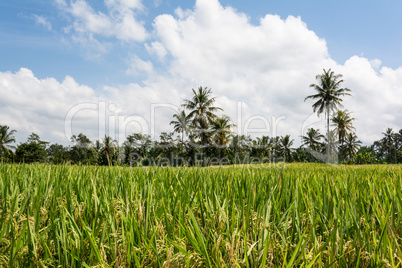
(297, 215)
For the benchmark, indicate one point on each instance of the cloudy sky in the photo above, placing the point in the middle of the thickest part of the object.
(123, 66)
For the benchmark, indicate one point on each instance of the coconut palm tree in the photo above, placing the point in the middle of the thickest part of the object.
(109, 148)
(6, 137)
(342, 121)
(240, 145)
(285, 144)
(351, 145)
(389, 144)
(312, 139)
(328, 95)
(332, 146)
(221, 129)
(202, 110)
(181, 124)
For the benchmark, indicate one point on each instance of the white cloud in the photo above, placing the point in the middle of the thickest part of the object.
(45, 106)
(39, 105)
(377, 97)
(41, 20)
(268, 67)
(92, 47)
(124, 4)
(138, 66)
(120, 22)
(156, 48)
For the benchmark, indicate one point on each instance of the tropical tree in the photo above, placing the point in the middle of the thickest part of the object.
(351, 145)
(312, 139)
(34, 150)
(128, 149)
(285, 144)
(261, 147)
(81, 141)
(240, 146)
(109, 148)
(57, 154)
(332, 147)
(389, 143)
(137, 148)
(221, 128)
(328, 95)
(181, 124)
(342, 121)
(202, 112)
(82, 152)
(6, 138)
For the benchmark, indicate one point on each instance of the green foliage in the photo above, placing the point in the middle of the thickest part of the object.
(300, 215)
(6, 138)
(83, 152)
(34, 150)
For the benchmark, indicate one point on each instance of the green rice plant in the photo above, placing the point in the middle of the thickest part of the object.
(293, 215)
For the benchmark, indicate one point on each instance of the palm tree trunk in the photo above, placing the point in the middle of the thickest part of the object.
(329, 141)
(182, 137)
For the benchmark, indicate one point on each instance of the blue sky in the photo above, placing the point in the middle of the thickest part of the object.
(126, 53)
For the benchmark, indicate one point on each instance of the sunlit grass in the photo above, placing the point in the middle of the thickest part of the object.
(310, 215)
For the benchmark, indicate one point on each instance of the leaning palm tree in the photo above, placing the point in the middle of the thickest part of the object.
(222, 129)
(181, 124)
(312, 139)
(352, 145)
(109, 147)
(342, 121)
(6, 137)
(202, 110)
(328, 95)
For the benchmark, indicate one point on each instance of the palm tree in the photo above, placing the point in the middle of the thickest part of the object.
(352, 145)
(202, 111)
(240, 144)
(221, 128)
(343, 124)
(265, 146)
(389, 143)
(312, 139)
(6, 137)
(109, 147)
(285, 144)
(332, 146)
(181, 124)
(398, 137)
(328, 94)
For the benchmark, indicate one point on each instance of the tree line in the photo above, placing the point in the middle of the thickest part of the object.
(205, 138)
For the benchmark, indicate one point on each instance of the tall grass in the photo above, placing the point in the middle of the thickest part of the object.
(302, 215)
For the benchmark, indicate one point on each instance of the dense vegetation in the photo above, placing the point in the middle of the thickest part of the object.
(268, 214)
(204, 138)
(140, 150)
(314, 215)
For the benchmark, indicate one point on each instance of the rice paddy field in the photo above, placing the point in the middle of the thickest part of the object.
(293, 215)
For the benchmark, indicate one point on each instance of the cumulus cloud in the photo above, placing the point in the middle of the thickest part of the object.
(40, 105)
(377, 96)
(259, 73)
(56, 110)
(120, 22)
(269, 67)
(138, 66)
